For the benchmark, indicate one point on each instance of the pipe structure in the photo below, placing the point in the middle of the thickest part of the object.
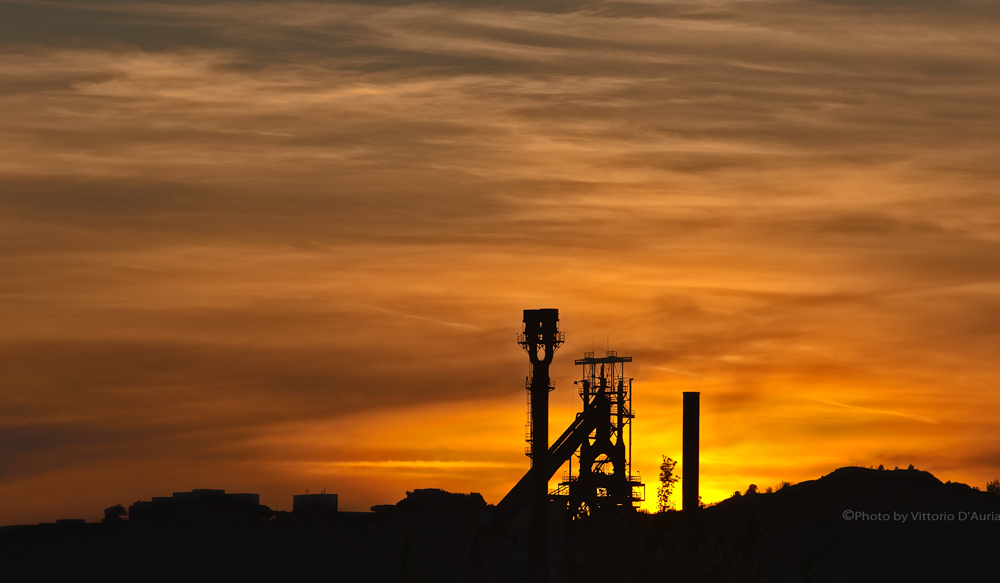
(561, 451)
(690, 454)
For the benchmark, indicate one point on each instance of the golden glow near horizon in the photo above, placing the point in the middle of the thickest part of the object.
(282, 246)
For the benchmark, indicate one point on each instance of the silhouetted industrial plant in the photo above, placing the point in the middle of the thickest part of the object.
(855, 524)
(599, 438)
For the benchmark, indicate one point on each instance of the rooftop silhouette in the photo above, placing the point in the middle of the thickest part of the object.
(903, 525)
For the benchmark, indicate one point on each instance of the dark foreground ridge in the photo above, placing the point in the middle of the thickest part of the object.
(855, 524)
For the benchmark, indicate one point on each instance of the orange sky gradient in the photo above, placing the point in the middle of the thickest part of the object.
(278, 246)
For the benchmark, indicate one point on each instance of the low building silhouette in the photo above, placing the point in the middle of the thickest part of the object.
(200, 506)
(323, 504)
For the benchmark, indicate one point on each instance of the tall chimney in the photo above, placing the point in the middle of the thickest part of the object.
(689, 456)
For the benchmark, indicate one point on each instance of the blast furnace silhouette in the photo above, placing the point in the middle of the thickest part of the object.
(599, 437)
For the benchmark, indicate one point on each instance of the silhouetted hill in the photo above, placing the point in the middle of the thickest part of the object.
(855, 524)
(859, 524)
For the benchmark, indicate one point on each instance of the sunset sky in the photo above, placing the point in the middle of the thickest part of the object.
(278, 246)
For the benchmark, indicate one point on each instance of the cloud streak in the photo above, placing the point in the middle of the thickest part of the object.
(420, 318)
(920, 418)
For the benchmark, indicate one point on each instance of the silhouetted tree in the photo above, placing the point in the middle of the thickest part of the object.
(114, 514)
(752, 489)
(993, 487)
(667, 481)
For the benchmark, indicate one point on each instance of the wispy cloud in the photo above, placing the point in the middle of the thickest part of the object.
(876, 411)
(421, 318)
(443, 464)
(679, 372)
(143, 268)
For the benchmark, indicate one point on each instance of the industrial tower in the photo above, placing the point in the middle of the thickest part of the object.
(599, 437)
(540, 339)
(604, 479)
